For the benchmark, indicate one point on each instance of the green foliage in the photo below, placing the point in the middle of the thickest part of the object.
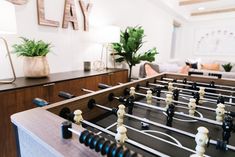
(131, 42)
(32, 48)
(227, 67)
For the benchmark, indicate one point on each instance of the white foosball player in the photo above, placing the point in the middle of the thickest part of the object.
(220, 111)
(168, 100)
(170, 87)
(120, 114)
(192, 106)
(78, 117)
(149, 97)
(201, 94)
(132, 91)
(121, 136)
(201, 140)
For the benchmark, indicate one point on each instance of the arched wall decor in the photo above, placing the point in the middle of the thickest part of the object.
(215, 41)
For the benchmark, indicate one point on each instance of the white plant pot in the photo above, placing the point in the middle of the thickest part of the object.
(36, 67)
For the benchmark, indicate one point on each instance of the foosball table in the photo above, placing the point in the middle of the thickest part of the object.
(164, 115)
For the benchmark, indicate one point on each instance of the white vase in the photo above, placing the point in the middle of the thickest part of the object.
(36, 67)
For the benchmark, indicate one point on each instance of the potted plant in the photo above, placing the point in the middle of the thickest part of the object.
(227, 67)
(131, 41)
(35, 64)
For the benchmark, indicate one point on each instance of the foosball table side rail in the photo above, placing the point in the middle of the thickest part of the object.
(101, 97)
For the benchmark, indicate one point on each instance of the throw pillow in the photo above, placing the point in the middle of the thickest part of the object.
(149, 70)
(214, 67)
(192, 65)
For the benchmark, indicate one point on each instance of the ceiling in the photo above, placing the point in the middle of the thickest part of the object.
(207, 7)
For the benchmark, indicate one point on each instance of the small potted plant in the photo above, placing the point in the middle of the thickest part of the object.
(35, 64)
(227, 67)
(127, 49)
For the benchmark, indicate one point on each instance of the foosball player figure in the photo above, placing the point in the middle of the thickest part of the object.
(194, 86)
(201, 94)
(132, 91)
(78, 117)
(220, 100)
(227, 128)
(120, 115)
(185, 81)
(129, 103)
(170, 87)
(192, 106)
(220, 111)
(176, 94)
(149, 97)
(202, 141)
(158, 91)
(170, 114)
(121, 136)
(168, 100)
(196, 96)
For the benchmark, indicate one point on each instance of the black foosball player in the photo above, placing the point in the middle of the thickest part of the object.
(170, 114)
(176, 94)
(196, 96)
(221, 100)
(228, 127)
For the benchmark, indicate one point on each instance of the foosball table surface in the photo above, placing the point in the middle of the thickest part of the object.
(43, 124)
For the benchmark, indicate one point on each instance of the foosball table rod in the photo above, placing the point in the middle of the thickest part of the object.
(187, 85)
(177, 113)
(159, 98)
(201, 83)
(130, 141)
(187, 104)
(189, 90)
(182, 95)
(96, 142)
(194, 90)
(92, 104)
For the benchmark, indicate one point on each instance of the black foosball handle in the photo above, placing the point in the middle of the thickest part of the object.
(194, 73)
(103, 86)
(40, 102)
(104, 146)
(98, 143)
(66, 95)
(219, 76)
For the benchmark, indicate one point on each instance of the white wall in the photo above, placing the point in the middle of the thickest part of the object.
(186, 39)
(71, 48)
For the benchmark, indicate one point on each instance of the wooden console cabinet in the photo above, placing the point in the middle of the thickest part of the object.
(18, 97)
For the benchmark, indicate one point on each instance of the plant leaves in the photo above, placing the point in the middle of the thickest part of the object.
(31, 48)
(130, 43)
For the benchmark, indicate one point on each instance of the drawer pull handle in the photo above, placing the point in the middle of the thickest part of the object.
(50, 84)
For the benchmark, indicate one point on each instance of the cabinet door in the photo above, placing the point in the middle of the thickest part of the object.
(13, 102)
(72, 86)
(118, 77)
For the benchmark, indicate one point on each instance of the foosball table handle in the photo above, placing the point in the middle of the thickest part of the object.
(66, 95)
(103, 86)
(40, 102)
(98, 143)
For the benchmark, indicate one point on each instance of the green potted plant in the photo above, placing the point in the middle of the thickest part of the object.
(130, 43)
(34, 52)
(227, 67)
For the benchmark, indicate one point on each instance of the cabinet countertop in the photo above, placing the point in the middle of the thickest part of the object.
(23, 82)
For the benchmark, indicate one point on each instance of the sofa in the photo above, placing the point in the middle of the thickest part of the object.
(202, 67)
